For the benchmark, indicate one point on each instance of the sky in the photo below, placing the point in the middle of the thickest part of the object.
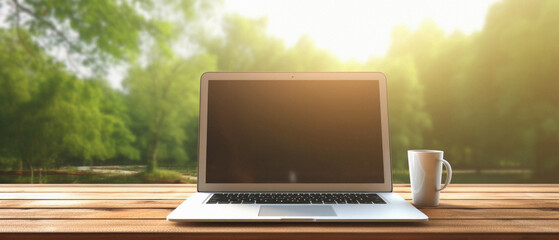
(350, 29)
(357, 29)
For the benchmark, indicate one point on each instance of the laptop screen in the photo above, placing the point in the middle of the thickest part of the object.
(294, 131)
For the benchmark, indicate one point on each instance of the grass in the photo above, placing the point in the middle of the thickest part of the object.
(157, 176)
(162, 176)
(71, 175)
(481, 177)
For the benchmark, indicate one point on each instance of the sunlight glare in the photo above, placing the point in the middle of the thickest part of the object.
(357, 29)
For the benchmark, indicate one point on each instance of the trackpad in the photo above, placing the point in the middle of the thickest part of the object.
(296, 211)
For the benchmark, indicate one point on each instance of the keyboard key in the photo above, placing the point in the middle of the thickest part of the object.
(295, 198)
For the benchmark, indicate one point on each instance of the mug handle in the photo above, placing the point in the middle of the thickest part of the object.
(448, 174)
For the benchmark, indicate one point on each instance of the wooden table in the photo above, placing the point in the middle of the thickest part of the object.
(115, 211)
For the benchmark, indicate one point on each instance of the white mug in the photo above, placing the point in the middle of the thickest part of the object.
(425, 176)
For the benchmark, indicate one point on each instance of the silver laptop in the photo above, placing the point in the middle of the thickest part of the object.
(294, 147)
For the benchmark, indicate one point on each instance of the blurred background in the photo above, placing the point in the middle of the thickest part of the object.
(106, 91)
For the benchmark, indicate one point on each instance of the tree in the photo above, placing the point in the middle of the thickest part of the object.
(439, 64)
(245, 46)
(516, 57)
(408, 118)
(49, 115)
(491, 96)
(162, 98)
(93, 33)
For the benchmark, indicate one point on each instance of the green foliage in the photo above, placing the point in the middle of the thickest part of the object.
(50, 118)
(163, 99)
(488, 96)
(246, 47)
(485, 99)
(100, 32)
(488, 99)
(408, 119)
(162, 176)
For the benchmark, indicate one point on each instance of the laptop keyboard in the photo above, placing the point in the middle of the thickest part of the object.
(295, 198)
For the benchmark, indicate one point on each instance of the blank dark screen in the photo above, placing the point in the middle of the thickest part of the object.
(294, 131)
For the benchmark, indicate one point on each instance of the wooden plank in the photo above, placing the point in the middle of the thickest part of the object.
(161, 214)
(105, 213)
(490, 214)
(481, 195)
(89, 204)
(489, 188)
(496, 203)
(102, 195)
(94, 188)
(161, 226)
(484, 213)
(267, 236)
(180, 195)
(92, 204)
(476, 189)
(19, 185)
(490, 185)
(94, 185)
(192, 190)
(99, 190)
(185, 188)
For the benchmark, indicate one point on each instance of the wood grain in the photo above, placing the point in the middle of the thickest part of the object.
(136, 211)
(105, 213)
(92, 204)
(498, 195)
(102, 195)
(181, 188)
(160, 226)
(161, 214)
(137, 188)
(184, 195)
(269, 236)
(80, 203)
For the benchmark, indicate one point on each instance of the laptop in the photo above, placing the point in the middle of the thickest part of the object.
(303, 147)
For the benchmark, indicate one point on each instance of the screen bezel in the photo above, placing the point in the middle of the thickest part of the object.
(203, 186)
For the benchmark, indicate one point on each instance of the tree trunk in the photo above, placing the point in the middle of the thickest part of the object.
(30, 169)
(20, 169)
(545, 164)
(40, 175)
(152, 163)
